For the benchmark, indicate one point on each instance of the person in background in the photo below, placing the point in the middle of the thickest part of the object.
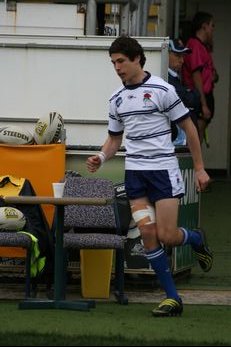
(143, 107)
(198, 70)
(190, 97)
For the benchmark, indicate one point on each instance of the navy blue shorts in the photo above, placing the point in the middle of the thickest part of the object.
(154, 184)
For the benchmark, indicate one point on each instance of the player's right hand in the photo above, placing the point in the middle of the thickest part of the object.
(93, 163)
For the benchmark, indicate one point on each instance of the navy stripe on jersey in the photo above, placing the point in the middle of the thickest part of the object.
(117, 133)
(140, 156)
(154, 86)
(117, 94)
(177, 102)
(114, 118)
(182, 118)
(148, 136)
(133, 113)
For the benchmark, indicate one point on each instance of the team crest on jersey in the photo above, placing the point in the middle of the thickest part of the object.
(147, 99)
(118, 101)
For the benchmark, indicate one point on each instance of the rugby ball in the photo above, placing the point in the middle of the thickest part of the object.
(49, 129)
(17, 135)
(11, 218)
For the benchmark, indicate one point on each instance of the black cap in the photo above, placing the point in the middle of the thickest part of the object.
(177, 46)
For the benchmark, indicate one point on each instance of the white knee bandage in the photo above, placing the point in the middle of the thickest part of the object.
(144, 216)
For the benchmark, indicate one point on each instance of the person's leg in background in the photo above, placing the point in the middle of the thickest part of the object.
(204, 123)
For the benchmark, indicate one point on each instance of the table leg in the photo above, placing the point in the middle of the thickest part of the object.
(59, 276)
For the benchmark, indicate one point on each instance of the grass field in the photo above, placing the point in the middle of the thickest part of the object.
(215, 219)
(114, 325)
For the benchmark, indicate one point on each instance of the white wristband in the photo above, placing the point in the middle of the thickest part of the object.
(102, 157)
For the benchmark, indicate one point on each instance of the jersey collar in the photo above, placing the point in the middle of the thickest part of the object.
(134, 86)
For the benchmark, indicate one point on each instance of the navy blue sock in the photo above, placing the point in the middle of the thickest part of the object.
(191, 237)
(159, 262)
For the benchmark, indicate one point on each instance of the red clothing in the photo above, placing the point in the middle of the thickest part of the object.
(199, 59)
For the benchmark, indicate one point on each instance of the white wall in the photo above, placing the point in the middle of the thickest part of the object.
(73, 76)
(50, 66)
(41, 18)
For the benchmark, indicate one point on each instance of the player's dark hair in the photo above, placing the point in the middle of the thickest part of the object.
(128, 46)
(199, 19)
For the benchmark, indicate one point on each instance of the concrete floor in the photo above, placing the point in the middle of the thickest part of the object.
(15, 291)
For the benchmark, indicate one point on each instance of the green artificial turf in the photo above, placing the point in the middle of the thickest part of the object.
(115, 325)
(216, 221)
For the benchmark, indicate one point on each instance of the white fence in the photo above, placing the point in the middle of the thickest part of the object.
(72, 75)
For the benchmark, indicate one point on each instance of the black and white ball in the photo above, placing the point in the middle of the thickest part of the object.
(11, 218)
(49, 129)
(14, 134)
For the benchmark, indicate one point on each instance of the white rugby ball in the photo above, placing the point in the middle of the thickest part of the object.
(11, 218)
(17, 135)
(49, 128)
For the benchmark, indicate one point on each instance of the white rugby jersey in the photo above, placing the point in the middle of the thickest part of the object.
(144, 112)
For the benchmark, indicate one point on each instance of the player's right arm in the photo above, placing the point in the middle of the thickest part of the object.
(108, 150)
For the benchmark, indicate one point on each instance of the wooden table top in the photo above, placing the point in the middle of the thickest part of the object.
(33, 200)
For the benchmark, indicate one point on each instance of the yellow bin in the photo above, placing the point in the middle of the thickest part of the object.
(96, 268)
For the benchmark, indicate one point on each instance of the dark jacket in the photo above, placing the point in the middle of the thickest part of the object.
(190, 98)
(36, 222)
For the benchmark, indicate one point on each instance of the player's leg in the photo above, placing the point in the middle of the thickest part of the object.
(144, 215)
(167, 204)
(202, 124)
(170, 235)
(197, 239)
(140, 193)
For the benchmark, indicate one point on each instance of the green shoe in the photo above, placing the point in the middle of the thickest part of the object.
(203, 253)
(168, 307)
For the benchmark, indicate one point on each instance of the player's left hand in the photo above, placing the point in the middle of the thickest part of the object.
(202, 180)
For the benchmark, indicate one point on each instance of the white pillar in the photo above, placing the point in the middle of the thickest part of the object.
(91, 17)
(124, 19)
(144, 18)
